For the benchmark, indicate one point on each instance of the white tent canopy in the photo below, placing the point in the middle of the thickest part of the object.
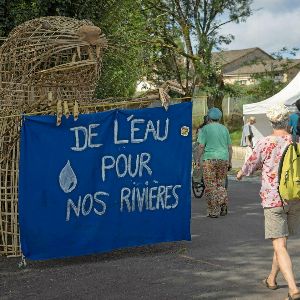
(288, 96)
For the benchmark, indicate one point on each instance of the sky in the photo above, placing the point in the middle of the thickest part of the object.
(275, 25)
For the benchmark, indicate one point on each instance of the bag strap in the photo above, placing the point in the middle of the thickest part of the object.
(294, 139)
(281, 165)
(295, 144)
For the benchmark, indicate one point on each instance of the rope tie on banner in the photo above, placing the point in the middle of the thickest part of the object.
(83, 107)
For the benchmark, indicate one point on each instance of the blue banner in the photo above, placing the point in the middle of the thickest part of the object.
(109, 180)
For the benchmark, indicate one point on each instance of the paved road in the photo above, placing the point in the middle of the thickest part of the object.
(237, 163)
(226, 259)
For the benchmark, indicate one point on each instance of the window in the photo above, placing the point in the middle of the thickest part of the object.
(242, 82)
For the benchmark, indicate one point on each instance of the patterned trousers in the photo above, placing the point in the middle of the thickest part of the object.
(214, 175)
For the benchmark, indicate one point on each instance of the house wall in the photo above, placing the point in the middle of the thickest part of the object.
(292, 72)
(244, 79)
(245, 59)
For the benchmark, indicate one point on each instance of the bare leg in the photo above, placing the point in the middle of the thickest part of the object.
(274, 272)
(285, 263)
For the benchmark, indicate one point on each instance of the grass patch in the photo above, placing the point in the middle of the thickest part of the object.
(236, 137)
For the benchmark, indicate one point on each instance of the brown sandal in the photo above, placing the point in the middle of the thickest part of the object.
(294, 297)
(271, 287)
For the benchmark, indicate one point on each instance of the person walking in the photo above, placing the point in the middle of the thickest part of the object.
(196, 143)
(197, 159)
(215, 146)
(293, 121)
(248, 137)
(281, 218)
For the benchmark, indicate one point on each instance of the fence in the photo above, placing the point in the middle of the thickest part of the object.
(230, 105)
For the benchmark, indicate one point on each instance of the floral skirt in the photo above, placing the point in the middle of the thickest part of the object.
(214, 175)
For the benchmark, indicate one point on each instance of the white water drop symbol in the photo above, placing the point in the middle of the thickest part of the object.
(67, 178)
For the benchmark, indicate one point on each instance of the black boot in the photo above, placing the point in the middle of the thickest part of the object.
(224, 210)
(212, 216)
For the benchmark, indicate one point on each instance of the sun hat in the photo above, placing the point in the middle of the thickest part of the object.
(278, 113)
(214, 114)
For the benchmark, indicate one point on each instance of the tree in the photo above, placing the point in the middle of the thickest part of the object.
(123, 63)
(190, 30)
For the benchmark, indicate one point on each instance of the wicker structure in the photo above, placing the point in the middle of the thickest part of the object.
(48, 65)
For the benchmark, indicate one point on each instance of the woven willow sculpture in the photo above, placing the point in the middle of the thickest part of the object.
(46, 62)
(48, 65)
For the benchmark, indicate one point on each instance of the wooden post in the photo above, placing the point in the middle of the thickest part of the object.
(228, 105)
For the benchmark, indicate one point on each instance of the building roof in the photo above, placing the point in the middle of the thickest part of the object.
(264, 66)
(227, 57)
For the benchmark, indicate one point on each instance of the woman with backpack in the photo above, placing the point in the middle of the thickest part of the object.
(281, 218)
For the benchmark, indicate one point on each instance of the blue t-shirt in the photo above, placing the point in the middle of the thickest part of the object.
(293, 123)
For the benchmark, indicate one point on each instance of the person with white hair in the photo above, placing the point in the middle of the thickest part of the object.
(281, 218)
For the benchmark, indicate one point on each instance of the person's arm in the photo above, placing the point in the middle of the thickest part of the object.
(202, 142)
(230, 156)
(229, 143)
(201, 150)
(252, 164)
